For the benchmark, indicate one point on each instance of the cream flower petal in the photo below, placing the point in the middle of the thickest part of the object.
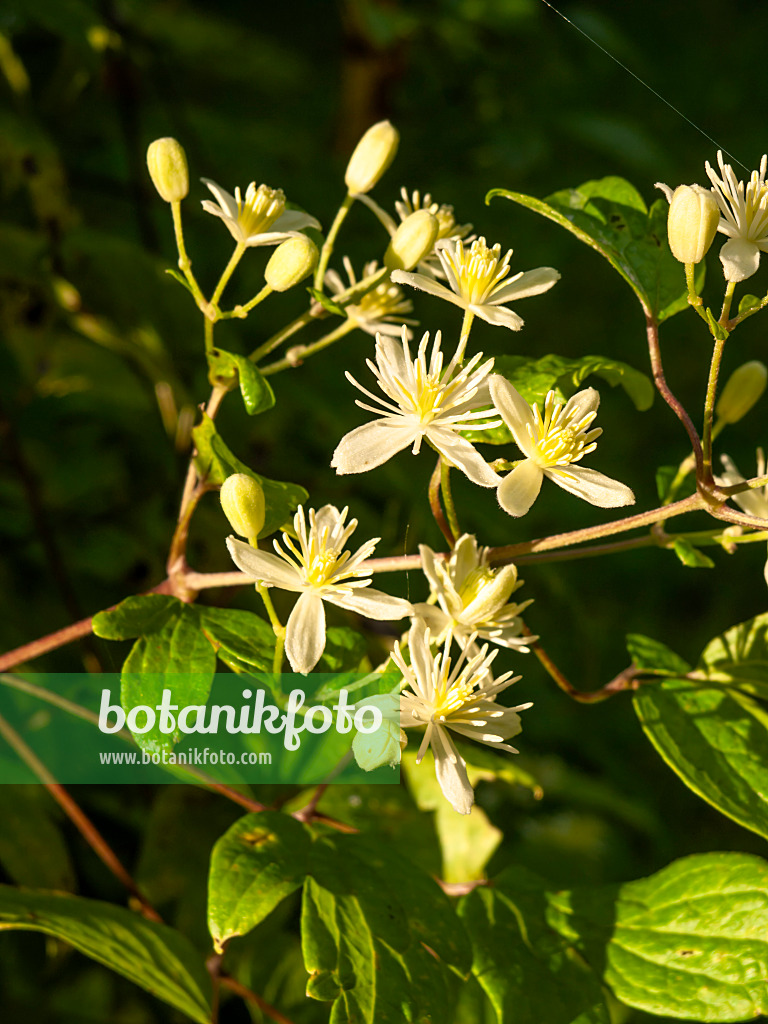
(425, 284)
(371, 604)
(493, 595)
(305, 633)
(295, 220)
(264, 566)
(464, 557)
(740, 259)
(451, 772)
(594, 487)
(498, 316)
(460, 453)
(522, 286)
(582, 403)
(437, 621)
(514, 410)
(428, 565)
(520, 488)
(372, 444)
(226, 201)
(422, 664)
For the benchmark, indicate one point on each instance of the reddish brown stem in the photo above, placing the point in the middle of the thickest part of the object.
(250, 997)
(437, 508)
(79, 819)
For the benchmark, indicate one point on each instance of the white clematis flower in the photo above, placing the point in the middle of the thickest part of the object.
(448, 228)
(460, 697)
(476, 281)
(744, 218)
(423, 400)
(259, 219)
(754, 502)
(378, 312)
(472, 598)
(319, 569)
(551, 446)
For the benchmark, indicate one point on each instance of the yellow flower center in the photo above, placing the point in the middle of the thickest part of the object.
(561, 440)
(384, 300)
(260, 209)
(448, 701)
(478, 271)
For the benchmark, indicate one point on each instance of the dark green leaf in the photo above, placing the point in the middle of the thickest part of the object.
(176, 657)
(654, 656)
(225, 367)
(527, 970)
(135, 616)
(610, 216)
(664, 477)
(739, 657)
(153, 956)
(262, 859)
(715, 739)
(344, 650)
(691, 941)
(241, 635)
(216, 462)
(32, 848)
(691, 556)
(378, 936)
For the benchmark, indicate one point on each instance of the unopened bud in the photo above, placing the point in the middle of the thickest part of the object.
(745, 386)
(290, 263)
(413, 240)
(692, 224)
(167, 163)
(243, 502)
(372, 156)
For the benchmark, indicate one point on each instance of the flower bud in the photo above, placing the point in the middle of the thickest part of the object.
(692, 224)
(167, 163)
(290, 263)
(413, 240)
(745, 386)
(372, 156)
(243, 502)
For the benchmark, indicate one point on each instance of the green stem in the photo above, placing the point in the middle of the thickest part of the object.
(302, 352)
(727, 300)
(282, 335)
(241, 312)
(325, 252)
(450, 508)
(234, 259)
(185, 263)
(709, 407)
(694, 298)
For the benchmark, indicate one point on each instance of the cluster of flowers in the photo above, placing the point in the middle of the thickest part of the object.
(423, 398)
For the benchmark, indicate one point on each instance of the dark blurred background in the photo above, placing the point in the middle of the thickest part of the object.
(486, 93)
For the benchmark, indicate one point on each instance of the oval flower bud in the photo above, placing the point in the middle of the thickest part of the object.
(167, 163)
(372, 156)
(692, 224)
(745, 386)
(413, 241)
(290, 263)
(243, 502)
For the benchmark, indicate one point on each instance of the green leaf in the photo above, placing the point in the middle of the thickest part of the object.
(176, 657)
(691, 556)
(225, 367)
(610, 216)
(262, 859)
(327, 303)
(748, 302)
(32, 847)
(665, 475)
(691, 941)
(715, 739)
(216, 462)
(239, 634)
(378, 936)
(527, 970)
(533, 378)
(739, 657)
(135, 616)
(180, 278)
(153, 956)
(467, 841)
(344, 650)
(654, 656)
